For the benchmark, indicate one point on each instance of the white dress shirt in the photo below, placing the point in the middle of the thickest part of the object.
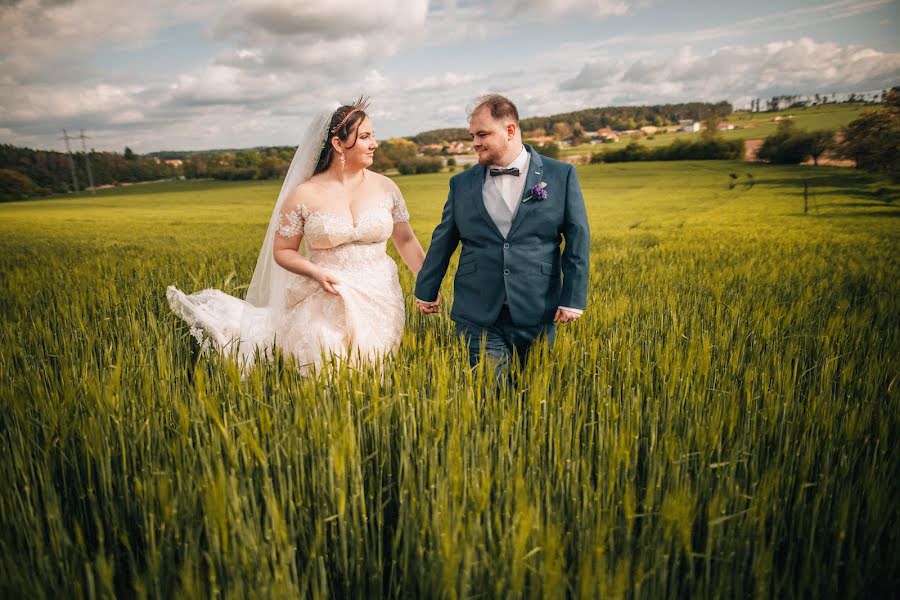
(512, 188)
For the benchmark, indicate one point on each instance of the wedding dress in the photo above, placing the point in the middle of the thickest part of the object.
(361, 323)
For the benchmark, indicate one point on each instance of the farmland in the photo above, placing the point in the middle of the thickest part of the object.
(722, 422)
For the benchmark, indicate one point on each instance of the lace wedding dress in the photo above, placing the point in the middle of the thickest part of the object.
(362, 322)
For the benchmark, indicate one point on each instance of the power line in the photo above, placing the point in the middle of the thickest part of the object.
(71, 160)
(87, 161)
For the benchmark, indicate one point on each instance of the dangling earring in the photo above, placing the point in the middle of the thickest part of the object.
(343, 161)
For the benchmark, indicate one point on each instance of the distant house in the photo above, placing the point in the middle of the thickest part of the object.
(459, 148)
(689, 125)
(174, 162)
(649, 129)
(607, 135)
(725, 126)
(542, 139)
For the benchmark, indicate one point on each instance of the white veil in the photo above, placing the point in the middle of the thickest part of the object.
(244, 327)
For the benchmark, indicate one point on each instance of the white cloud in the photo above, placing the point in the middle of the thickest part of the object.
(262, 66)
(587, 8)
(40, 102)
(43, 41)
(333, 18)
(340, 34)
(729, 72)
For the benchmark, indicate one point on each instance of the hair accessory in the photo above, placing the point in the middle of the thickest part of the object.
(344, 120)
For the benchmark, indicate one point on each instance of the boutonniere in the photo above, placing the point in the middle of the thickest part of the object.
(538, 192)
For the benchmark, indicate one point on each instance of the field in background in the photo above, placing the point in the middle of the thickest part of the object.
(721, 423)
(749, 126)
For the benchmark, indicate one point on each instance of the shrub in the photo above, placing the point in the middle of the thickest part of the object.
(232, 174)
(550, 149)
(707, 148)
(419, 165)
(787, 146)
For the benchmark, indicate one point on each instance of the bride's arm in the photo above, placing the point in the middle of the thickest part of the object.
(285, 251)
(408, 246)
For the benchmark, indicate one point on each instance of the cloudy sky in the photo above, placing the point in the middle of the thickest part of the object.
(168, 74)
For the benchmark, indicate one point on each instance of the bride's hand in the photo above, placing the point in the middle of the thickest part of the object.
(327, 281)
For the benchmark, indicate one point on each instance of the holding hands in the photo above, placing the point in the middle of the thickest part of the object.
(565, 316)
(428, 308)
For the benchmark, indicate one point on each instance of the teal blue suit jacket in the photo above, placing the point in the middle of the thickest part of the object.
(526, 269)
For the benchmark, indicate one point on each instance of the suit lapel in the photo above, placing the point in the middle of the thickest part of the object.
(475, 187)
(535, 173)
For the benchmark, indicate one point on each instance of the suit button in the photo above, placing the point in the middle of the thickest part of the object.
(506, 271)
(505, 246)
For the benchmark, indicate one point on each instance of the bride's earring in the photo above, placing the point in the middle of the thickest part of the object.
(343, 161)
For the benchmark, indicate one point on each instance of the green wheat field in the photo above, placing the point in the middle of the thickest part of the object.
(722, 423)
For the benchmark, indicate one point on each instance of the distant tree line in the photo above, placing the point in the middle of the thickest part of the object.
(789, 101)
(25, 173)
(234, 165)
(592, 119)
(629, 117)
(402, 154)
(440, 136)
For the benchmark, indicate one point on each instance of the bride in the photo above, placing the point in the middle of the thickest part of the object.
(323, 285)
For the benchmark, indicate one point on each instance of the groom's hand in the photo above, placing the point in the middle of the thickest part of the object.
(428, 308)
(565, 316)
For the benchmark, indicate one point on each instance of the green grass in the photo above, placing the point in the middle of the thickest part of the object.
(722, 422)
(749, 126)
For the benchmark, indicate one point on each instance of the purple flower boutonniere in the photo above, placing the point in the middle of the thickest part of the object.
(538, 192)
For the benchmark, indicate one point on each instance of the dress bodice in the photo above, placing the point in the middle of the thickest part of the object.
(323, 230)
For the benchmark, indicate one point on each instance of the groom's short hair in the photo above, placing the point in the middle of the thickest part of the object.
(501, 107)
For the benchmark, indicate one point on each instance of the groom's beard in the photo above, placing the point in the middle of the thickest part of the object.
(489, 158)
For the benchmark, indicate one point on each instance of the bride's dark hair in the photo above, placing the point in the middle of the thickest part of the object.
(344, 122)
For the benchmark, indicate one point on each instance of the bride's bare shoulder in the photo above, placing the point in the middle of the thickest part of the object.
(305, 193)
(383, 181)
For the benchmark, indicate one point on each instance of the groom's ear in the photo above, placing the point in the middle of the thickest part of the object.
(511, 129)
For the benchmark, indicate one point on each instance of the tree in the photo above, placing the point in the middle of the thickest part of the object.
(129, 154)
(561, 130)
(711, 126)
(14, 185)
(550, 149)
(787, 146)
(393, 151)
(820, 142)
(578, 135)
(246, 159)
(271, 167)
(873, 140)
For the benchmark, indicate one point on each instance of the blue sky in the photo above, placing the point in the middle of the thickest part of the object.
(212, 74)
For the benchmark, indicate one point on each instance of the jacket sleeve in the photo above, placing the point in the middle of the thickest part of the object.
(444, 241)
(576, 256)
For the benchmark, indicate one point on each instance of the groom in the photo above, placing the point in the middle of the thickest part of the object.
(511, 212)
